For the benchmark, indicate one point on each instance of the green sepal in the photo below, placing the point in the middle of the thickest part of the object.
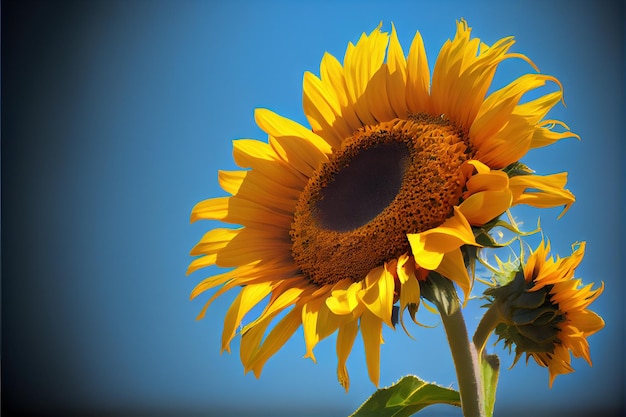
(405, 398)
(441, 292)
(489, 371)
(483, 236)
(517, 168)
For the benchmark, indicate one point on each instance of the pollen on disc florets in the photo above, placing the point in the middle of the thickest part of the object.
(398, 177)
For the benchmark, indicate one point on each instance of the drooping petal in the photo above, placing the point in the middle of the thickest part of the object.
(377, 295)
(253, 332)
(544, 135)
(429, 247)
(371, 330)
(410, 289)
(549, 191)
(248, 297)
(276, 339)
(310, 313)
(453, 267)
(345, 340)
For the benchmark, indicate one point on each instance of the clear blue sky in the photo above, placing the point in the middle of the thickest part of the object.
(116, 116)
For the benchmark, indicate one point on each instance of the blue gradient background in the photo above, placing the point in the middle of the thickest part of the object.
(116, 117)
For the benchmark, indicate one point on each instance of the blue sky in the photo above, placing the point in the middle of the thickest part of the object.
(116, 117)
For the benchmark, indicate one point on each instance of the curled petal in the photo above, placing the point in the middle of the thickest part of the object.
(542, 191)
(429, 247)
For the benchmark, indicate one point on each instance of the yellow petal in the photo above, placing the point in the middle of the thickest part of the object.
(292, 142)
(480, 167)
(378, 97)
(508, 145)
(361, 62)
(328, 322)
(279, 335)
(202, 262)
(586, 321)
(238, 211)
(285, 294)
(396, 79)
(537, 109)
(453, 267)
(487, 181)
(252, 333)
(323, 111)
(429, 247)
(251, 246)
(484, 206)
(215, 281)
(417, 77)
(344, 297)
(261, 158)
(495, 112)
(550, 192)
(224, 288)
(248, 297)
(310, 313)
(253, 186)
(410, 289)
(331, 73)
(544, 135)
(251, 338)
(463, 74)
(345, 340)
(378, 294)
(371, 330)
(281, 127)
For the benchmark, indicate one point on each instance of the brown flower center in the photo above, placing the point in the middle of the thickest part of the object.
(388, 180)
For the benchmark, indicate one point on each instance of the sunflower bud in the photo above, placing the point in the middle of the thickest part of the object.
(542, 310)
(530, 318)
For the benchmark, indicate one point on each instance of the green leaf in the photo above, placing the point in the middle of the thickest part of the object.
(405, 398)
(489, 370)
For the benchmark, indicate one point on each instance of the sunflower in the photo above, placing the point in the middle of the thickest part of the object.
(544, 311)
(340, 221)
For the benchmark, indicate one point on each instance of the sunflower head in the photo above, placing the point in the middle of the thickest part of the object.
(544, 311)
(339, 223)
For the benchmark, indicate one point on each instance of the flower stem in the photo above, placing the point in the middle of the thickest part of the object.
(441, 292)
(487, 324)
(466, 363)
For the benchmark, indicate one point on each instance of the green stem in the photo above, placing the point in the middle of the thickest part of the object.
(487, 325)
(466, 363)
